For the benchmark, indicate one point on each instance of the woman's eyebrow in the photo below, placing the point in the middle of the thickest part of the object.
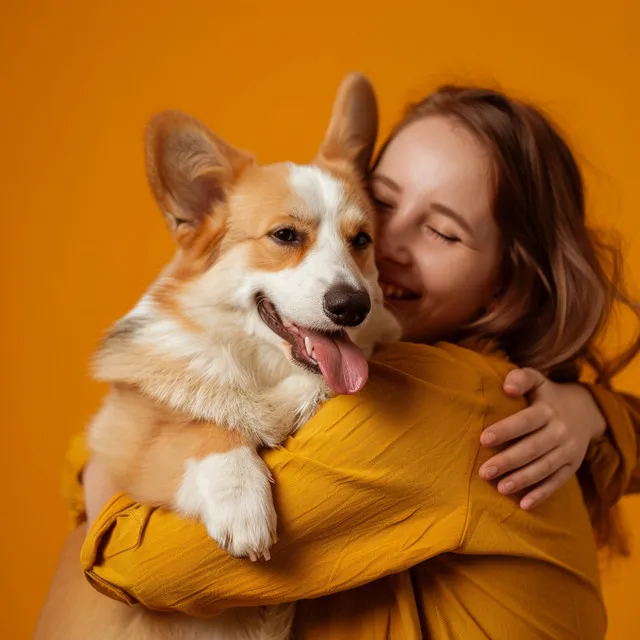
(454, 215)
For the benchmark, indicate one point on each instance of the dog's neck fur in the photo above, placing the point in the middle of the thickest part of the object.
(198, 373)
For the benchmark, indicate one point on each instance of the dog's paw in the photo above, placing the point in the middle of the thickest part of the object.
(231, 493)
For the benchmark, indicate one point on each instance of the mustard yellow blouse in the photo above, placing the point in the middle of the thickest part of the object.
(386, 530)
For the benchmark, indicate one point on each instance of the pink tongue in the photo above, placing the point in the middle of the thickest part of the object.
(342, 364)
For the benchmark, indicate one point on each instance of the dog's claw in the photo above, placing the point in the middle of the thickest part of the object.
(242, 520)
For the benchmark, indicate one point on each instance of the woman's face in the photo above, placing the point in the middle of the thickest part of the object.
(438, 247)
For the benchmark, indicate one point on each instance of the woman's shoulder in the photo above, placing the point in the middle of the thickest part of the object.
(446, 364)
(424, 399)
(443, 388)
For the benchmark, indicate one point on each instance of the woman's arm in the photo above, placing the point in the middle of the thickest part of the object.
(375, 484)
(372, 485)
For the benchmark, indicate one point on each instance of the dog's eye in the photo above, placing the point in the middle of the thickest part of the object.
(361, 241)
(286, 235)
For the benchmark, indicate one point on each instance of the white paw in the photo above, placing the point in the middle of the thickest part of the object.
(231, 493)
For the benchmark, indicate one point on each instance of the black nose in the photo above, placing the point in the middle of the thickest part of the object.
(346, 306)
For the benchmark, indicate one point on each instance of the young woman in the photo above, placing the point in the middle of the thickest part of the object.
(388, 526)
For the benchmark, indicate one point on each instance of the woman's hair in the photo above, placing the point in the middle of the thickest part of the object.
(560, 281)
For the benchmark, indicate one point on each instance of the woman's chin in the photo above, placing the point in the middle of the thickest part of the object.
(413, 330)
(408, 313)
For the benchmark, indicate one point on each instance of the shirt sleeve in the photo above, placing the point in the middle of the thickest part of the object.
(612, 460)
(76, 457)
(372, 485)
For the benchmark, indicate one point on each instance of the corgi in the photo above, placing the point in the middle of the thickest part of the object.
(270, 305)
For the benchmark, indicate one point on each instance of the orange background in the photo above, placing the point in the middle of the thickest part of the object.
(82, 237)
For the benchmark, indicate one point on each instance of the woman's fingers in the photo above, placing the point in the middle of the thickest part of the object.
(519, 382)
(533, 473)
(519, 424)
(547, 488)
(517, 455)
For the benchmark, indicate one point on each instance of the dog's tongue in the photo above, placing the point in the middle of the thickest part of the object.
(342, 364)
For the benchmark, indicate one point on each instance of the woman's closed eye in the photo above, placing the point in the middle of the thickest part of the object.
(381, 205)
(443, 237)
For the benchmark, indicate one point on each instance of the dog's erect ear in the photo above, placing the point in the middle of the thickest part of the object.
(190, 170)
(353, 129)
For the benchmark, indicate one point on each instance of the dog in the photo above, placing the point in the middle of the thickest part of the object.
(270, 305)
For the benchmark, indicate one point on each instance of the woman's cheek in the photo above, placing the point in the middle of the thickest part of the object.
(461, 288)
(447, 279)
(477, 288)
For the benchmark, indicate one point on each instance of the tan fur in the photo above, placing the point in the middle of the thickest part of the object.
(144, 444)
(191, 386)
(356, 193)
(269, 186)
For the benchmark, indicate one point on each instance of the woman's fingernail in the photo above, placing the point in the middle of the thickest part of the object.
(506, 487)
(487, 438)
(526, 503)
(490, 472)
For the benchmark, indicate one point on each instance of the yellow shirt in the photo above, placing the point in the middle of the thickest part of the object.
(386, 530)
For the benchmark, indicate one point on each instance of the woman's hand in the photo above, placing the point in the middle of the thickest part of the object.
(98, 489)
(552, 434)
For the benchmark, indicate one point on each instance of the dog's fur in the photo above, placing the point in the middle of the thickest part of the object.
(199, 380)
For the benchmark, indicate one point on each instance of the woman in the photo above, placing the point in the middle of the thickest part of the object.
(482, 242)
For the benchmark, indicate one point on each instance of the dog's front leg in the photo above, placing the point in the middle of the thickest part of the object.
(230, 492)
(198, 468)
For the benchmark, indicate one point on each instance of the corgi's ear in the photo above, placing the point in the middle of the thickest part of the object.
(353, 128)
(190, 170)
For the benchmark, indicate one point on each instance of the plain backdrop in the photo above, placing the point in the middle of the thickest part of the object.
(81, 236)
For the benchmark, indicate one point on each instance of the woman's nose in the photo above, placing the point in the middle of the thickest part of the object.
(393, 241)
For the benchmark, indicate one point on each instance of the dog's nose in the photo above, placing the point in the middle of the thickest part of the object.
(346, 305)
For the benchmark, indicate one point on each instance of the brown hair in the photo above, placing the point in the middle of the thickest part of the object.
(560, 280)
